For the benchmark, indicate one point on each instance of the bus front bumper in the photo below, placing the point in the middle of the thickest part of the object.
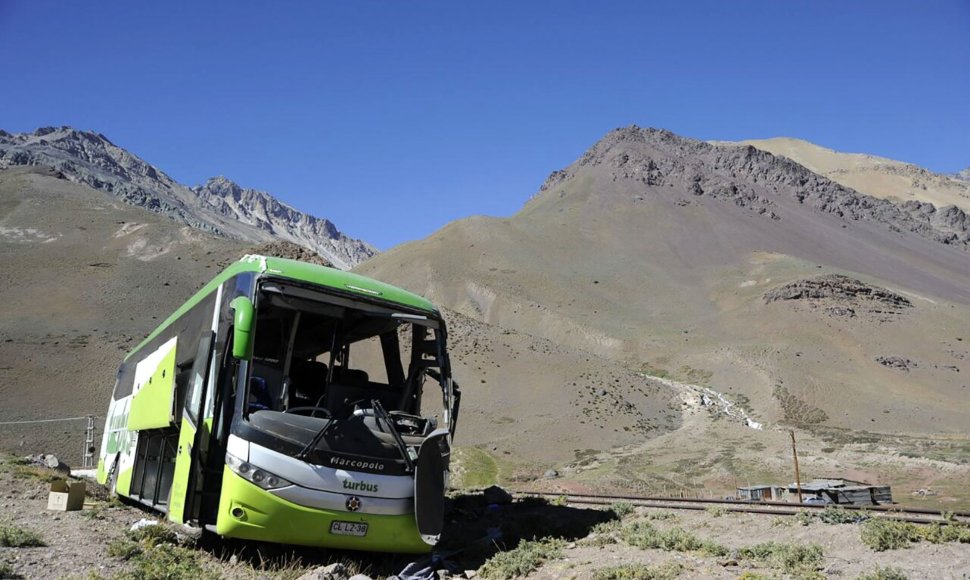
(249, 512)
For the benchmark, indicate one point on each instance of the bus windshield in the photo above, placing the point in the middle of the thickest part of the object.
(336, 376)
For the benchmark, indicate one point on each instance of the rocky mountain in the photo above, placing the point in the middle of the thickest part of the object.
(85, 277)
(872, 175)
(219, 206)
(658, 251)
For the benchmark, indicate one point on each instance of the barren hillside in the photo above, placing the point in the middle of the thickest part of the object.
(86, 277)
(872, 175)
(662, 252)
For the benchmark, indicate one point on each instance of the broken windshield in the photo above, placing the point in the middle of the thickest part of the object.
(330, 374)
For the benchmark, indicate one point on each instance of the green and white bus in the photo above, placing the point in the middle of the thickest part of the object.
(287, 402)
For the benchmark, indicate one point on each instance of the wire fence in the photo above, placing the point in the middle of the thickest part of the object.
(85, 417)
(63, 444)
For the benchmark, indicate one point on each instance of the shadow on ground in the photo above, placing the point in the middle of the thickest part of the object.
(474, 531)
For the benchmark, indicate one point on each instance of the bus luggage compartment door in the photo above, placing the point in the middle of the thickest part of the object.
(429, 487)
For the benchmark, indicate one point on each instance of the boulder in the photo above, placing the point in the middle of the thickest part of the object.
(497, 495)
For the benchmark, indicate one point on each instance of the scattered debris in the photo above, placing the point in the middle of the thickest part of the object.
(50, 461)
(143, 523)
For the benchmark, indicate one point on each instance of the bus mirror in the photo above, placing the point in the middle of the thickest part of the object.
(242, 335)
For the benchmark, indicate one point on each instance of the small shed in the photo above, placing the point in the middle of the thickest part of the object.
(761, 493)
(843, 492)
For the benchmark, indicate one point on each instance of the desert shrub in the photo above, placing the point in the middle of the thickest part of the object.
(43, 474)
(882, 534)
(523, 559)
(622, 508)
(940, 533)
(804, 517)
(716, 511)
(662, 516)
(153, 535)
(13, 536)
(603, 533)
(837, 515)
(885, 534)
(167, 562)
(643, 535)
(667, 571)
(6, 570)
(790, 558)
(124, 548)
(154, 554)
(887, 573)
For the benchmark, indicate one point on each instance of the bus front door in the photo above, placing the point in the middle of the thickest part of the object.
(193, 438)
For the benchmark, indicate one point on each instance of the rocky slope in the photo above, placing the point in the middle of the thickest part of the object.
(219, 206)
(657, 251)
(85, 277)
(872, 175)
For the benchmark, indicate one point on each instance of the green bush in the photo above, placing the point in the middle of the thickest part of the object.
(887, 573)
(716, 511)
(168, 562)
(12, 536)
(837, 515)
(153, 553)
(154, 535)
(6, 571)
(523, 559)
(622, 508)
(940, 533)
(882, 534)
(124, 548)
(643, 535)
(885, 534)
(667, 571)
(790, 558)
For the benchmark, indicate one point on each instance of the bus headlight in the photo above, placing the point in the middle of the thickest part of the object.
(251, 473)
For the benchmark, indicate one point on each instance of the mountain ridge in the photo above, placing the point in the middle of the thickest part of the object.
(948, 225)
(873, 175)
(657, 250)
(219, 206)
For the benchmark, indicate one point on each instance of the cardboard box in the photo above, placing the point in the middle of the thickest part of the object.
(65, 496)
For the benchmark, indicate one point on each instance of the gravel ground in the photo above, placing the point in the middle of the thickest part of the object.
(845, 556)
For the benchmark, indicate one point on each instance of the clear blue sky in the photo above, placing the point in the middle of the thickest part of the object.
(392, 118)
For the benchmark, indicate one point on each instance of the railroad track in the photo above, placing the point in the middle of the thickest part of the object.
(914, 515)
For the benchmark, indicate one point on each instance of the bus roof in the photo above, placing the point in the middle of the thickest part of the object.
(302, 272)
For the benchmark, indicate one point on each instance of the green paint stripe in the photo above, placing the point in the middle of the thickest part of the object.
(302, 272)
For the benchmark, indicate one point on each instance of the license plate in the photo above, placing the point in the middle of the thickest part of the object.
(348, 528)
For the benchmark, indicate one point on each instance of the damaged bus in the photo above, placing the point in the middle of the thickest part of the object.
(291, 403)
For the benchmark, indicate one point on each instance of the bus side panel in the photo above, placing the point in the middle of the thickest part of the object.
(154, 394)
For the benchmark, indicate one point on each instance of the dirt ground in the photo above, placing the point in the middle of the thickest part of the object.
(77, 542)
(845, 556)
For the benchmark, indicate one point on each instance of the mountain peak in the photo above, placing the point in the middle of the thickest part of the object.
(219, 206)
(220, 185)
(633, 163)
